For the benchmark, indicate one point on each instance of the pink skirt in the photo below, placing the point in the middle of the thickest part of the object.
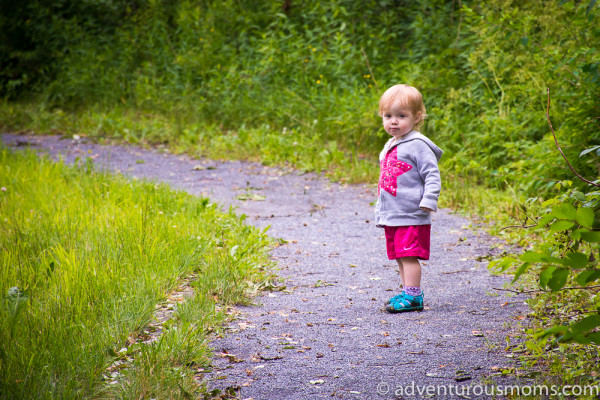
(408, 241)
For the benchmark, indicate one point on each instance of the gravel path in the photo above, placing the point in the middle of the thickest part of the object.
(327, 335)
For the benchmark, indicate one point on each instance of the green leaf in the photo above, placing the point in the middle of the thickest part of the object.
(552, 331)
(532, 256)
(536, 257)
(586, 324)
(594, 337)
(558, 279)
(578, 195)
(576, 260)
(561, 226)
(566, 337)
(521, 271)
(545, 275)
(582, 339)
(587, 276)
(564, 211)
(589, 150)
(585, 216)
(544, 219)
(592, 237)
(502, 264)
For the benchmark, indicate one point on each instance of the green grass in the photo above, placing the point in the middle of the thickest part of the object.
(92, 255)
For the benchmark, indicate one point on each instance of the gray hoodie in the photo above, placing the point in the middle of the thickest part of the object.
(409, 179)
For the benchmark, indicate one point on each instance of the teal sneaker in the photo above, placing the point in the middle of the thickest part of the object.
(397, 297)
(405, 304)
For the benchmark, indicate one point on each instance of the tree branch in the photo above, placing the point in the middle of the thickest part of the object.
(548, 291)
(369, 66)
(558, 146)
(518, 226)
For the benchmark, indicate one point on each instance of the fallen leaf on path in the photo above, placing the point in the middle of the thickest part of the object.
(202, 167)
(244, 325)
(232, 358)
(270, 357)
(252, 197)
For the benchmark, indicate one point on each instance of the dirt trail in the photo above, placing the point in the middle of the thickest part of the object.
(327, 335)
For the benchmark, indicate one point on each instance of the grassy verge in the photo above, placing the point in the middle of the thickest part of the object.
(85, 257)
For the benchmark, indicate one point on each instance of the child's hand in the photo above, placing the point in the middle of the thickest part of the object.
(429, 210)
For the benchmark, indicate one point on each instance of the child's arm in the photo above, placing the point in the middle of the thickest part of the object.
(427, 165)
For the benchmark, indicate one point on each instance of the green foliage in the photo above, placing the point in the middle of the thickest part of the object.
(562, 255)
(35, 36)
(85, 259)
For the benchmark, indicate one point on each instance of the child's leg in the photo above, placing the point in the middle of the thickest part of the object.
(412, 297)
(412, 276)
(401, 270)
(410, 271)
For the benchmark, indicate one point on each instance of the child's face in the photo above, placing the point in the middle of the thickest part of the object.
(399, 120)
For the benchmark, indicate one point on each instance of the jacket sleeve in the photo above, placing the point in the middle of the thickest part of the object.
(429, 171)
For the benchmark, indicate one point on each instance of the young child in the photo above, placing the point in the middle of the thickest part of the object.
(408, 191)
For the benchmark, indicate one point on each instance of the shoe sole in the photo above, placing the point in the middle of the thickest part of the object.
(409, 309)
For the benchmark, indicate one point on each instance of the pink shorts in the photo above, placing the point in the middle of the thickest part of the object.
(408, 241)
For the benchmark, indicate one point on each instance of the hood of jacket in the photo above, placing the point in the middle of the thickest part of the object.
(410, 136)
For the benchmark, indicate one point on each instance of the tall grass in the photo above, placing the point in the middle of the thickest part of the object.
(85, 257)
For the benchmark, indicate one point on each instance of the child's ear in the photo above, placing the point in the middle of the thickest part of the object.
(419, 117)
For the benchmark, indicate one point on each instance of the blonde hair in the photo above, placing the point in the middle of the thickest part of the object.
(408, 97)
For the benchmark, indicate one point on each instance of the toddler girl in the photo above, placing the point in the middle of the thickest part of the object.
(408, 191)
